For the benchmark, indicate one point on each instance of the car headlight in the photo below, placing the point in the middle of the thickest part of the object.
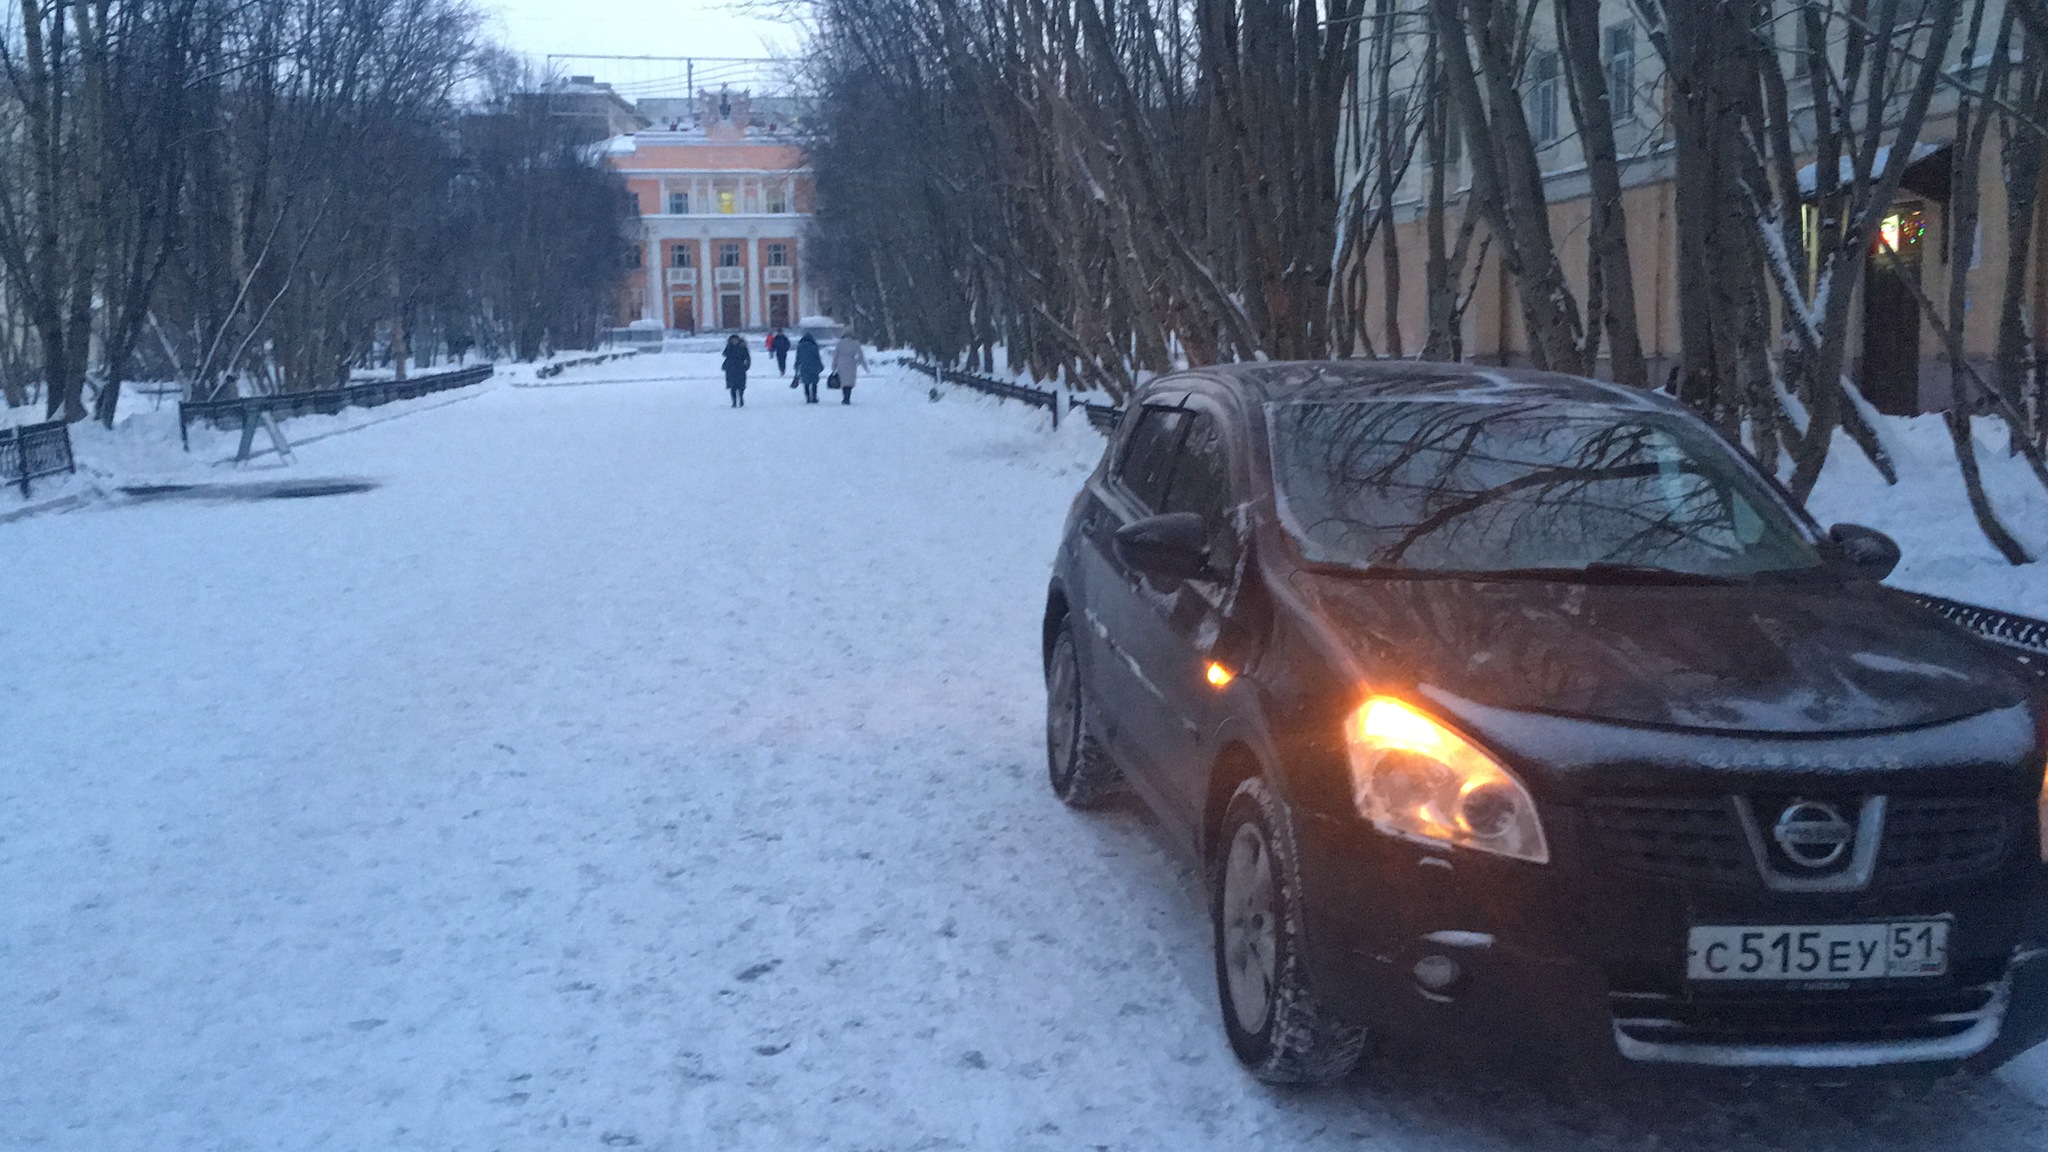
(2042, 807)
(1412, 776)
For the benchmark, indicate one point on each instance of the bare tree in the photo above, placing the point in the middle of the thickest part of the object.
(50, 201)
(1485, 46)
(1105, 189)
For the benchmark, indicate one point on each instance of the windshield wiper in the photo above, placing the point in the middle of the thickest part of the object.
(1605, 572)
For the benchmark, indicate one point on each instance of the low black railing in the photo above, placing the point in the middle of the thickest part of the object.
(244, 411)
(1103, 416)
(34, 451)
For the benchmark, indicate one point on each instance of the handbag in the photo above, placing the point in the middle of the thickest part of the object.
(832, 381)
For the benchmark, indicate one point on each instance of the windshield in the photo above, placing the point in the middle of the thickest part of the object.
(1453, 486)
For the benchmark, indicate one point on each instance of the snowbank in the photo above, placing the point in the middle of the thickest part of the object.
(1928, 513)
(144, 448)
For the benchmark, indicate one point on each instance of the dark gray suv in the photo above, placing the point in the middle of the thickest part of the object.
(1520, 710)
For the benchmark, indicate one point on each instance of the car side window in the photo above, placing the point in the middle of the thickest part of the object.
(1147, 465)
(1201, 484)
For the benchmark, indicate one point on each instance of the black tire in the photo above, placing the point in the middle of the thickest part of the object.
(1277, 1026)
(1079, 768)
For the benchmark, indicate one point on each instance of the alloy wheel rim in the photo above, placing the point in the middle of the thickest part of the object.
(1250, 929)
(1062, 713)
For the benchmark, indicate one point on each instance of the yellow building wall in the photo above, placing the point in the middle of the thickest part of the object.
(1494, 330)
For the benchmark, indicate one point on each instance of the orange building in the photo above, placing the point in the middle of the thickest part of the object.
(724, 198)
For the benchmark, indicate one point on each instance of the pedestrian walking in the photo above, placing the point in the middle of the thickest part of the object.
(779, 345)
(810, 364)
(737, 361)
(848, 358)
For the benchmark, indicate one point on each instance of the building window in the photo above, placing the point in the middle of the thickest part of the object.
(729, 254)
(778, 200)
(728, 203)
(1901, 234)
(1621, 72)
(679, 256)
(1543, 98)
(633, 256)
(778, 255)
(679, 203)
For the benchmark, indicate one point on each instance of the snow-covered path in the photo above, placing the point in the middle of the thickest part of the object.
(625, 770)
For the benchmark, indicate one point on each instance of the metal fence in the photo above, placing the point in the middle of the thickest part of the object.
(34, 451)
(1103, 416)
(244, 411)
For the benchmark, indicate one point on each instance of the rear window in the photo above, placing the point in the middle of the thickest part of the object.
(1458, 486)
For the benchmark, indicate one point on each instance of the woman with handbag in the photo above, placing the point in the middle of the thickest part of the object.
(848, 358)
(810, 364)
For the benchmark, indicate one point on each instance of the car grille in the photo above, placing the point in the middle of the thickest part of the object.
(1884, 1017)
(1931, 839)
(1926, 839)
(1677, 838)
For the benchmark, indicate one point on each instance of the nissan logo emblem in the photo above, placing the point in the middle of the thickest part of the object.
(1813, 835)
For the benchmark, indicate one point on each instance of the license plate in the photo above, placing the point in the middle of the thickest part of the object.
(1898, 950)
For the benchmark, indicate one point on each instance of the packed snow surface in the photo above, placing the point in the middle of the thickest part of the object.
(596, 765)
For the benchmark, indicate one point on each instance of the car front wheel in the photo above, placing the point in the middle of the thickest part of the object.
(1276, 1025)
(1082, 774)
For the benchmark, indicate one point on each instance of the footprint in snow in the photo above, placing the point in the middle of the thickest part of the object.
(749, 975)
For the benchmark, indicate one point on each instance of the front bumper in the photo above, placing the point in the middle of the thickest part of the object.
(1563, 962)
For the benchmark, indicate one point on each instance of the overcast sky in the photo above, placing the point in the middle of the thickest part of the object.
(636, 28)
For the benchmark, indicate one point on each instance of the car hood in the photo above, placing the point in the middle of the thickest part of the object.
(1765, 658)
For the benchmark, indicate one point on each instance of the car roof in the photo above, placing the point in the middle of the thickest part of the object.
(1267, 382)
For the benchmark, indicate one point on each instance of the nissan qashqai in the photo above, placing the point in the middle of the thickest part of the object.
(1522, 710)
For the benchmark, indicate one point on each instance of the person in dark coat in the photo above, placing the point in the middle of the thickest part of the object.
(810, 364)
(779, 344)
(737, 361)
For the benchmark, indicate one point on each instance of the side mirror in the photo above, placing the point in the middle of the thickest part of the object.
(1175, 546)
(1867, 551)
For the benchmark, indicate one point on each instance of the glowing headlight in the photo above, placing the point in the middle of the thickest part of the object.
(1412, 776)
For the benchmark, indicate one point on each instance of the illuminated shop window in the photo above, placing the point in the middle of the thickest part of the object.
(1901, 232)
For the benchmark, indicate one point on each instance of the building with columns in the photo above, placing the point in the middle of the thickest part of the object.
(724, 197)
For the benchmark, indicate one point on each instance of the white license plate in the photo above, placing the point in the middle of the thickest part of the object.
(1900, 949)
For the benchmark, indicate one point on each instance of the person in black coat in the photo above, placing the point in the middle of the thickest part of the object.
(737, 361)
(810, 364)
(779, 344)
